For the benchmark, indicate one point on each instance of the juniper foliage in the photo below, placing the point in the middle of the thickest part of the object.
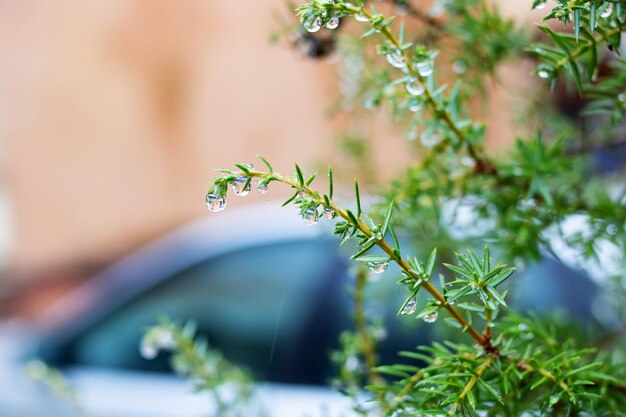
(503, 363)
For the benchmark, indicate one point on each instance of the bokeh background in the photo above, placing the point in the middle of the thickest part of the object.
(113, 115)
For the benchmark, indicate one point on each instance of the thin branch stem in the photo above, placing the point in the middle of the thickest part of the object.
(365, 229)
(471, 383)
(584, 47)
(415, 378)
(369, 353)
(488, 319)
(483, 165)
(548, 375)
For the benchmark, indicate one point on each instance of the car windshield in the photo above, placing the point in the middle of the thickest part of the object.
(276, 309)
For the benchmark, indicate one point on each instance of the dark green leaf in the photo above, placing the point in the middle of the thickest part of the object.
(387, 219)
(300, 176)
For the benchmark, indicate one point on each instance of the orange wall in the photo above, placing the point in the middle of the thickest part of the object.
(114, 113)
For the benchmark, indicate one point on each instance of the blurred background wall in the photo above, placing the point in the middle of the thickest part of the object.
(114, 113)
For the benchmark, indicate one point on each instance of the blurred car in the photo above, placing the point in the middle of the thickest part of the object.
(261, 287)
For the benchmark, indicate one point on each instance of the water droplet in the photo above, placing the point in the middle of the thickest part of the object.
(522, 327)
(215, 203)
(468, 162)
(431, 317)
(425, 68)
(414, 87)
(396, 59)
(148, 351)
(361, 17)
(241, 186)
(380, 334)
(542, 73)
(353, 364)
(414, 105)
(430, 139)
(412, 133)
(410, 307)
(263, 187)
(611, 229)
(378, 267)
(165, 339)
(333, 23)
(608, 11)
(302, 194)
(459, 66)
(329, 213)
(540, 6)
(310, 217)
(379, 236)
(315, 25)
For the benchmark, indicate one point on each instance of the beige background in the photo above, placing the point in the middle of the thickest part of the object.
(114, 113)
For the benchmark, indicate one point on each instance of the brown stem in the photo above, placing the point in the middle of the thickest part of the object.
(369, 353)
(471, 383)
(483, 164)
(365, 229)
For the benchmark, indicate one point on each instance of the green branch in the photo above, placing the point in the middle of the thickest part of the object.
(382, 244)
(483, 165)
(470, 384)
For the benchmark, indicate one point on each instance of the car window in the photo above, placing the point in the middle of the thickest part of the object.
(276, 309)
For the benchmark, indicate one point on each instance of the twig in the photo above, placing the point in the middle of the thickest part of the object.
(470, 384)
(365, 229)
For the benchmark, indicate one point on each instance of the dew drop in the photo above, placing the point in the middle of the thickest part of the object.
(315, 25)
(361, 17)
(148, 351)
(468, 161)
(333, 23)
(543, 74)
(414, 87)
(431, 317)
(522, 327)
(410, 307)
(329, 213)
(215, 203)
(353, 364)
(310, 217)
(379, 236)
(430, 139)
(540, 6)
(378, 267)
(414, 105)
(241, 186)
(611, 229)
(380, 334)
(425, 68)
(459, 66)
(263, 187)
(165, 339)
(396, 59)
